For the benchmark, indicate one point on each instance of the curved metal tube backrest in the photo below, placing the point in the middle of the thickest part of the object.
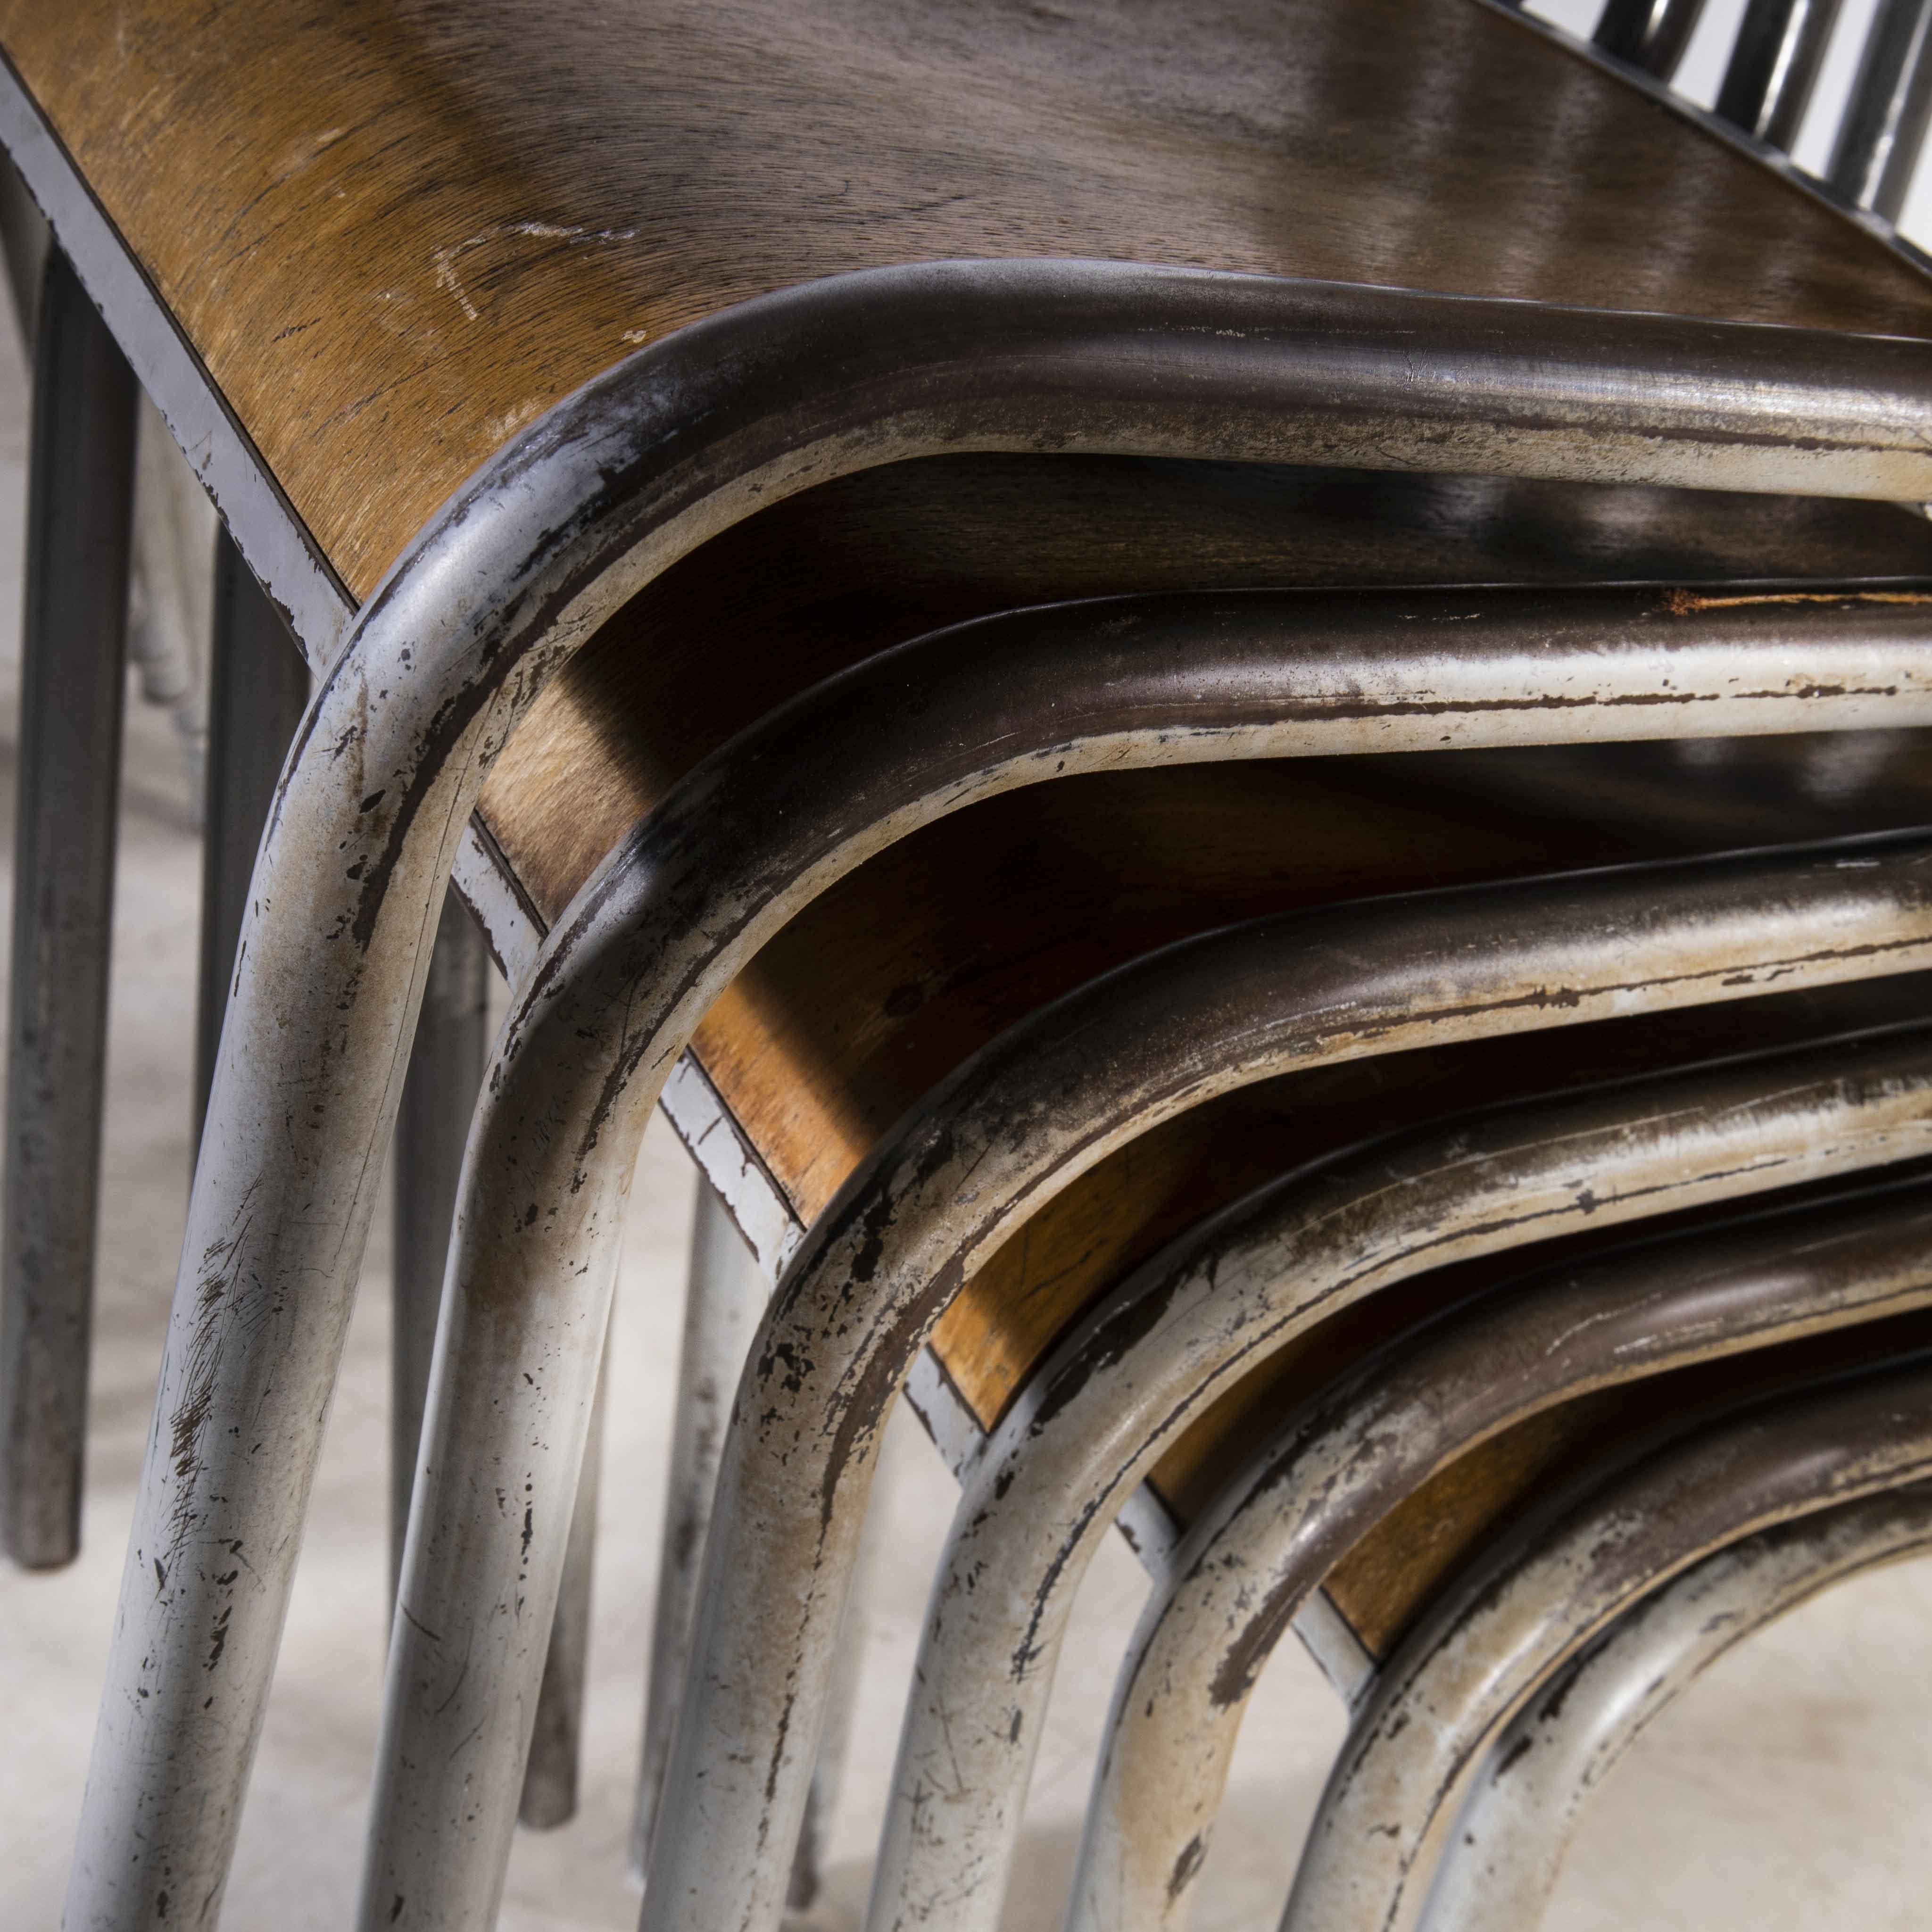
(1379, 1431)
(551, 1156)
(1078, 1439)
(603, 493)
(1500, 1862)
(772, 819)
(1418, 1737)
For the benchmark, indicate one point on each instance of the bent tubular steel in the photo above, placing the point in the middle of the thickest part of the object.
(602, 493)
(1501, 1863)
(553, 1150)
(1076, 1441)
(74, 658)
(726, 1295)
(1378, 1432)
(258, 690)
(1544, 1592)
(1774, 66)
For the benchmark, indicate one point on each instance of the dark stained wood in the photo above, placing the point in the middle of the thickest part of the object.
(397, 230)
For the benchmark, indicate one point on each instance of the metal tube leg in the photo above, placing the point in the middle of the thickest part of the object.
(841, 1698)
(1501, 1862)
(1649, 34)
(1879, 140)
(550, 1773)
(446, 1063)
(1774, 66)
(79, 521)
(258, 691)
(725, 1298)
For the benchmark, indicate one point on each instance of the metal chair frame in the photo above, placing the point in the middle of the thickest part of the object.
(1184, 1328)
(603, 491)
(1501, 1862)
(1017, 1125)
(1373, 1436)
(1417, 1740)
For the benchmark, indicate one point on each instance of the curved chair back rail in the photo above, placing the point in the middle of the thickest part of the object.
(1182, 1330)
(601, 492)
(1375, 1435)
(1544, 1591)
(549, 1159)
(1500, 1864)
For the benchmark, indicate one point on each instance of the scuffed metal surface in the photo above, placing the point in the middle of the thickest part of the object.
(1500, 1864)
(1340, 1465)
(519, 567)
(1544, 1592)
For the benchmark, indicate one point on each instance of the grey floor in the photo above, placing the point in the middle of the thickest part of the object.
(1792, 1789)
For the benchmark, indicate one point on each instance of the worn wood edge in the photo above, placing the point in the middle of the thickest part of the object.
(275, 541)
(1665, 96)
(272, 539)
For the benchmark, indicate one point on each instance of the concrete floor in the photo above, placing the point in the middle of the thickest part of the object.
(1791, 1789)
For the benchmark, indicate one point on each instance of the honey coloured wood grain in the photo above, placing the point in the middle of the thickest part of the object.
(398, 230)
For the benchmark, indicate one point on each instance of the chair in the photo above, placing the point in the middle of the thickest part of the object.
(350, 359)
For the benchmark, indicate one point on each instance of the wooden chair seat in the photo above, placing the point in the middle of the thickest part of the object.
(395, 234)
(394, 237)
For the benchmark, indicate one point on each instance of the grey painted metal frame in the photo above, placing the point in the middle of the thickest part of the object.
(553, 1148)
(258, 690)
(74, 638)
(599, 495)
(1543, 1592)
(1156, 1351)
(1501, 1863)
(726, 1297)
(1651, 34)
(446, 1074)
(1375, 1435)
(1774, 68)
(1883, 130)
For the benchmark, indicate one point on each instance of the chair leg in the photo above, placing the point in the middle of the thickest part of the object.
(841, 1698)
(550, 1772)
(723, 1303)
(446, 1063)
(726, 1297)
(258, 689)
(74, 646)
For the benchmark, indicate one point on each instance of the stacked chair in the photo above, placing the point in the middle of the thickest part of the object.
(1229, 701)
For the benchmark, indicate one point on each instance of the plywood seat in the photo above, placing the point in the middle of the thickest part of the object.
(394, 234)
(393, 238)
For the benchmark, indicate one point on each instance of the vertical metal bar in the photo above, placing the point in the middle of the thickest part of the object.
(550, 1771)
(25, 239)
(258, 689)
(446, 1064)
(1774, 67)
(828, 1770)
(723, 1301)
(80, 502)
(1649, 34)
(1884, 127)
